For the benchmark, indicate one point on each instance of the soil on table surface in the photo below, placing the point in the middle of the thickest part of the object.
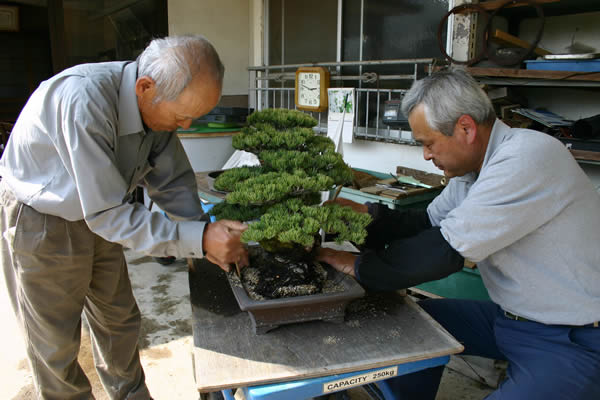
(273, 276)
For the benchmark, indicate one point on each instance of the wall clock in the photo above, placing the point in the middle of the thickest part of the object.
(311, 88)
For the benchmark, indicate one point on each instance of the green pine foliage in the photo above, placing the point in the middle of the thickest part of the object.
(263, 136)
(225, 210)
(293, 222)
(284, 191)
(273, 187)
(281, 118)
(328, 163)
(228, 179)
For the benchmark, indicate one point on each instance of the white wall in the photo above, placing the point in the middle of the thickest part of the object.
(574, 33)
(385, 157)
(226, 23)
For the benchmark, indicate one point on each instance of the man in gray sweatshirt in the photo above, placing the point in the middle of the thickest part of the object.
(518, 204)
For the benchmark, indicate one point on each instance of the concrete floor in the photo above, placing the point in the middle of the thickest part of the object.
(162, 294)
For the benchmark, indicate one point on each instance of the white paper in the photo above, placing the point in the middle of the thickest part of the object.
(241, 158)
(344, 246)
(340, 121)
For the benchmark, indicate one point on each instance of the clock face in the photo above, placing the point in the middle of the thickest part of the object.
(309, 89)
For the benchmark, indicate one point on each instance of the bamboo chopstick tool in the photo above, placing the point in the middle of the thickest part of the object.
(337, 192)
(237, 269)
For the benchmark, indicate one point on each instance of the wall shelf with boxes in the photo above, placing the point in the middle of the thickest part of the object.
(561, 74)
(545, 56)
(585, 150)
(530, 77)
(584, 144)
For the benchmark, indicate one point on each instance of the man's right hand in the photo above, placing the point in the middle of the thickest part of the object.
(222, 246)
(343, 261)
(361, 208)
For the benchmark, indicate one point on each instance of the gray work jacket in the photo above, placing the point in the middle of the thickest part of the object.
(79, 149)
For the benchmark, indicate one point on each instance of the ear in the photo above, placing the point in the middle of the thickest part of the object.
(467, 127)
(145, 86)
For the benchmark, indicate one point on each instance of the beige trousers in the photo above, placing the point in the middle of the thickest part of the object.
(54, 270)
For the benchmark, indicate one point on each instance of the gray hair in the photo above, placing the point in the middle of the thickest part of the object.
(173, 61)
(446, 95)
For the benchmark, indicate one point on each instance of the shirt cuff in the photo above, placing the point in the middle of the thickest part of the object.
(190, 238)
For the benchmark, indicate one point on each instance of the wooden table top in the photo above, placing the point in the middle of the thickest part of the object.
(379, 330)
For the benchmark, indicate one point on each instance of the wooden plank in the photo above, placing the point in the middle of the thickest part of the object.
(494, 4)
(421, 292)
(380, 330)
(372, 190)
(392, 194)
(585, 155)
(507, 39)
(534, 74)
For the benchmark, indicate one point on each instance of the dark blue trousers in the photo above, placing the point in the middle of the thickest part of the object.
(545, 362)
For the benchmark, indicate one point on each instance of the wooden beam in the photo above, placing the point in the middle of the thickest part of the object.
(494, 4)
(507, 39)
(585, 155)
(535, 74)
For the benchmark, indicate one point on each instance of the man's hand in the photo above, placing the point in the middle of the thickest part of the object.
(361, 208)
(340, 260)
(222, 246)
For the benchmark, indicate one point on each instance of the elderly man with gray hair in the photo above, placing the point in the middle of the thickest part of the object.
(518, 204)
(85, 140)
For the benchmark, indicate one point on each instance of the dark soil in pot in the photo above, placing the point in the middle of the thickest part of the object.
(273, 276)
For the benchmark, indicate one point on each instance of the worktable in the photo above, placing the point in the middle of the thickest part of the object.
(382, 329)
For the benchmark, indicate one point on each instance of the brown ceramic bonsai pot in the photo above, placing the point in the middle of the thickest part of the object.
(329, 306)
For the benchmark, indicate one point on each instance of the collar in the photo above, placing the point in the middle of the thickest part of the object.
(130, 120)
(499, 133)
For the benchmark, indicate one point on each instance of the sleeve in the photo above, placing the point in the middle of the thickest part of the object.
(88, 126)
(514, 195)
(389, 225)
(407, 262)
(171, 184)
(439, 208)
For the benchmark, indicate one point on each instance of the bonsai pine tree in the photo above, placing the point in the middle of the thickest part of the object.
(281, 196)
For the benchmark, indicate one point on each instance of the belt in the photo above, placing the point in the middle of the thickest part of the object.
(514, 317)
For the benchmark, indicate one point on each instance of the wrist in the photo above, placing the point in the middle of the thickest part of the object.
(205, 238)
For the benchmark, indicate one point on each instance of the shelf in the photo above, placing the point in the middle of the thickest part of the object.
(531, 77)
(551, 8)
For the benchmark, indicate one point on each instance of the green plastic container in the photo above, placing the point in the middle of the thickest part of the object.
(465, 284)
